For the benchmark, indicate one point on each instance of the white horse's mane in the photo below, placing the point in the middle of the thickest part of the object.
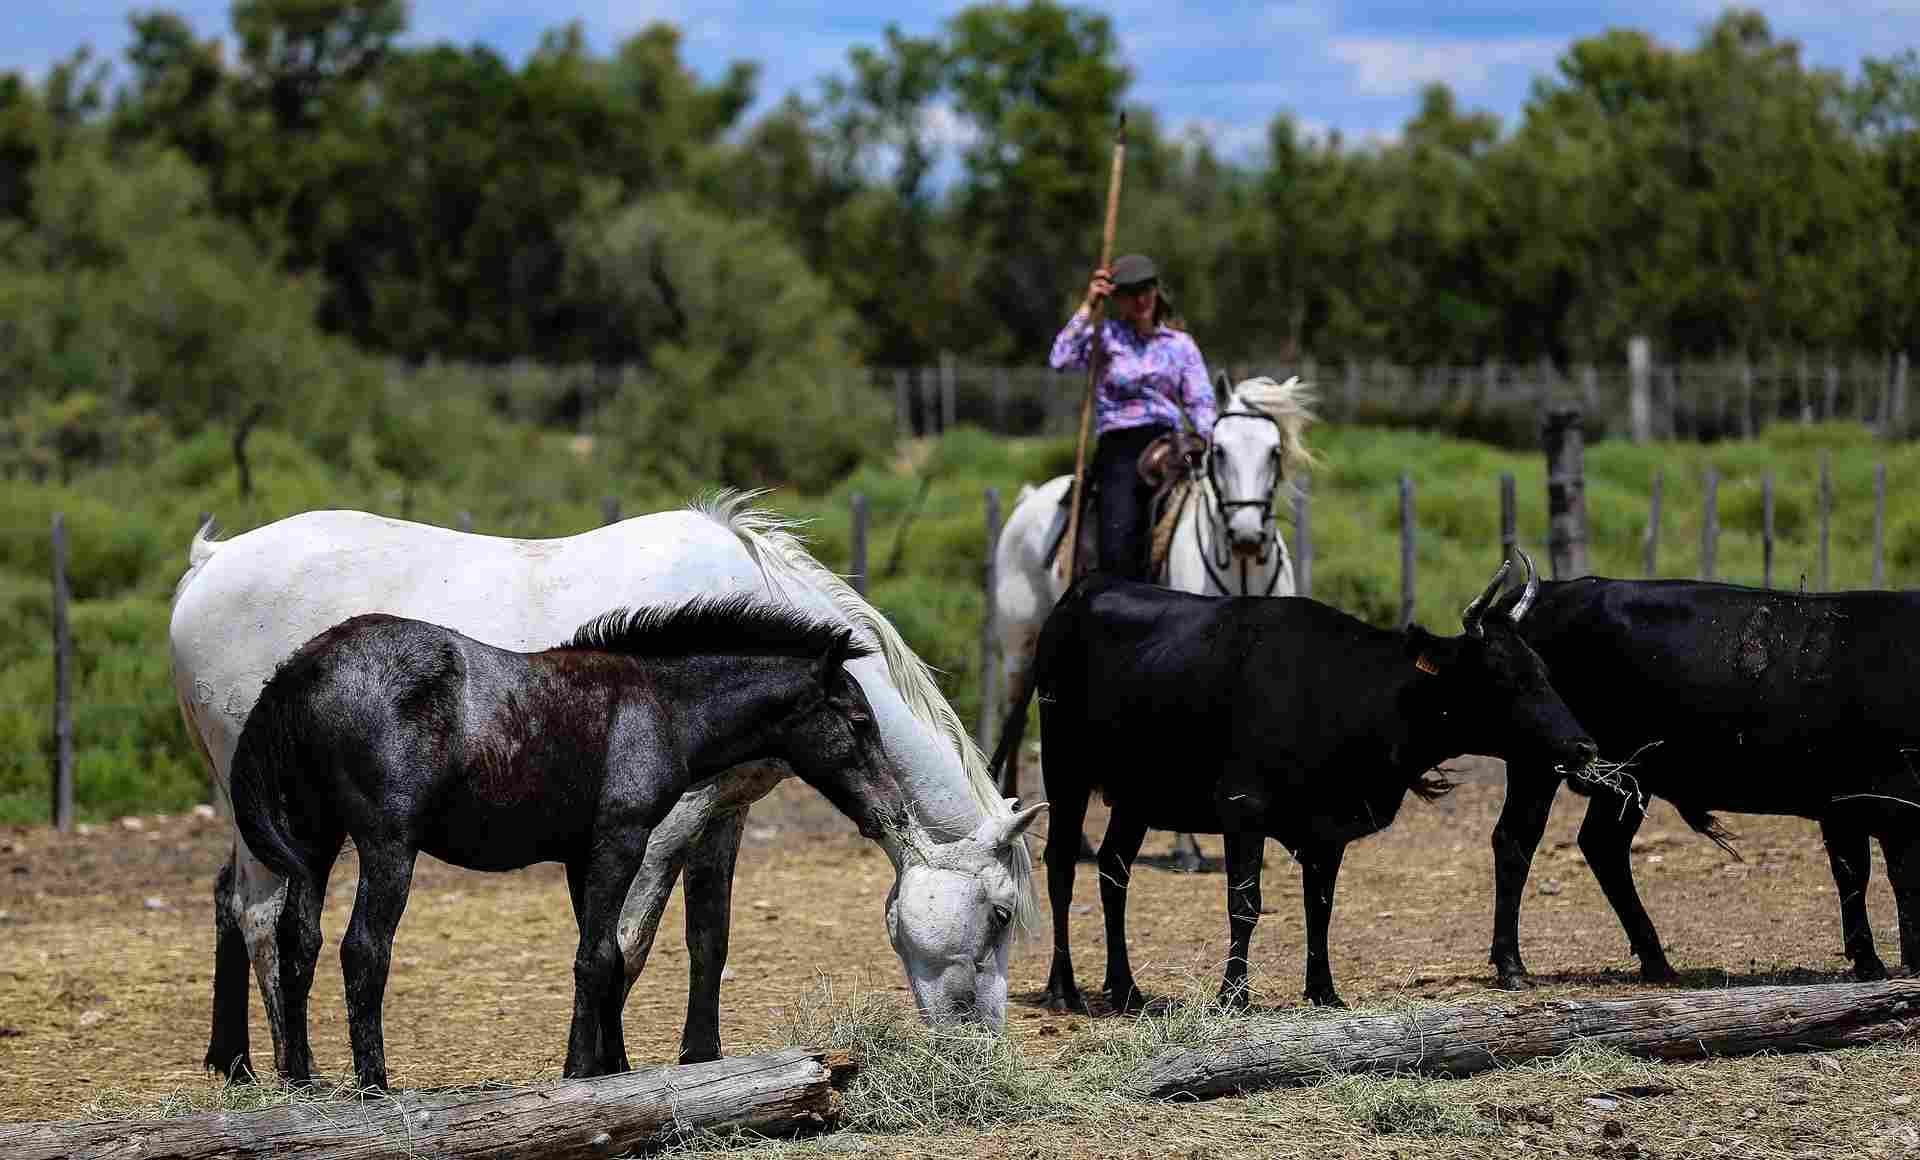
(1291, 406)
(772, 541)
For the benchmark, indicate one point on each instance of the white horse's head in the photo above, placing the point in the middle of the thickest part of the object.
(951, 917)
(1258, 442)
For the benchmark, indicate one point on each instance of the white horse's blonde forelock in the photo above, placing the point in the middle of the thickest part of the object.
(775, 545)
(1291, 405)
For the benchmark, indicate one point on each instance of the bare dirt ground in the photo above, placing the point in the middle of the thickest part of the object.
(106, 974)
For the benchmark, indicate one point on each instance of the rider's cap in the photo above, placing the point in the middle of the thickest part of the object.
(1132, 270)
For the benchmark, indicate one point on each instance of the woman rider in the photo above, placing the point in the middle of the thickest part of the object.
(1150, 371)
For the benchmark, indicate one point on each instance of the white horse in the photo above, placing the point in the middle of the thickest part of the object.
(963, 873)
(1226, 541)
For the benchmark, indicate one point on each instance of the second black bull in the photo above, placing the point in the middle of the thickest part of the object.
(1739, 699)
(1259, 717)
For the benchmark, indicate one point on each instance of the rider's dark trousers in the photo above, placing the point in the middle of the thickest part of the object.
(1123, 499)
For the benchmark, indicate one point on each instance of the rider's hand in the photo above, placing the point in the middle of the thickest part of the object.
(1097, 289)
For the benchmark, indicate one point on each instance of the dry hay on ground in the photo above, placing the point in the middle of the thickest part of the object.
(104, 1001)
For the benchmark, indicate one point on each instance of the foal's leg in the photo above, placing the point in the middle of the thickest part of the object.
(366, 952)
(1125, 832)
(1852, 861)
(1523, 820)
(228, 1050)
(1244, 853)
(1606, 836)
(709, 901)
(596, 1043)
(1321, 872)
(299, 936)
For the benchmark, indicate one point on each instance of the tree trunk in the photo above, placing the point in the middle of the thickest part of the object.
(1460, 1041)
(782, 1093)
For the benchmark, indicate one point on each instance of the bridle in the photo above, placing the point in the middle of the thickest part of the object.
(1218, 557)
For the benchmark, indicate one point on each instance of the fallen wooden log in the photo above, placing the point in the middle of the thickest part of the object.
(782, 1093)
(1459, 1041)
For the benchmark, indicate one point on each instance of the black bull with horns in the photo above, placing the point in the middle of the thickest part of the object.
(1729, 698)
(1255, 717)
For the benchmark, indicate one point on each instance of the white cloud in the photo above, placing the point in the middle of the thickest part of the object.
(1391, 67)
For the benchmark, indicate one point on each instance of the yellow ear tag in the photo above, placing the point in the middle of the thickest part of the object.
(1425, 665)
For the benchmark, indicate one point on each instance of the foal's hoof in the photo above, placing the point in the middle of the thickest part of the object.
(1233, 997)
(237, 1069)
(1514, 981)
(1869, 969)
(1325, 997)
(1064, 1002)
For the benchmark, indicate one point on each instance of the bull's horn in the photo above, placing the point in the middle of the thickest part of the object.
(1471, 616)
(1525, 602)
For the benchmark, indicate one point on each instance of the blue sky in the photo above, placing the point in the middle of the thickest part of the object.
(1225, 68)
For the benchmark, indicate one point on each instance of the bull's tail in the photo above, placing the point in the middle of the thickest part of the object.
(1705, 823)
(1039, 676)
(259, 789)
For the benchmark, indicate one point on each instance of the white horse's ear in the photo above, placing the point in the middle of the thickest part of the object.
(997, 832)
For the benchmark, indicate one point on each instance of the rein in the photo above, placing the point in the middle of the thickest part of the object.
(1224, 509)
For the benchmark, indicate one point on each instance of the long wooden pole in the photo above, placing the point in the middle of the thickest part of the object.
(1070, 567)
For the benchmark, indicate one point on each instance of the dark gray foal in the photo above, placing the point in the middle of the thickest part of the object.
(407, 737)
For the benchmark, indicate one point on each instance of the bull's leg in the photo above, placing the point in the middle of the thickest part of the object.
(1064, 837)
(1320, 872)
(1903, 869)
(366, 952)
(1852, 861)
(709, 900)
(1523, 819)
(1244, 850)
(228, 1050)
(1118, 849)
(1606, 837)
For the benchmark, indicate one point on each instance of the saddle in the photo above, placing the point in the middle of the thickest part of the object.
(1168, 465)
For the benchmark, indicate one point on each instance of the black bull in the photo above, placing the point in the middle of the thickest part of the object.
(1753, 701)
(1255, 718)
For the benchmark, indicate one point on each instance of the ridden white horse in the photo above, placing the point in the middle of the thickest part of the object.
(963, 874)
(1226, 541)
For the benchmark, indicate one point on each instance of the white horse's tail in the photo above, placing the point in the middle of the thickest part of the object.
(771, 540)
(199, 551)
(1291, 405)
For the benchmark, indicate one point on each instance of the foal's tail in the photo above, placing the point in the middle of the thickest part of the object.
(260, 793)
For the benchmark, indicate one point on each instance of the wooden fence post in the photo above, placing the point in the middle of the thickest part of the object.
(1303, 535)
(1566, 494)
(1833, 391)
(466, 521)
(949, 392)
(989, 713)
(62, 684)
(1766, 529)
(1653, 523)
(1806, 402)
(1640, 400)
(903, 404)
(1509, 517)
(1406, 549)
(1826, 520)
(1900, 396)
(1746, 399)
(929, 401)
(1879, 525)
(857, 549)
(1710, 525)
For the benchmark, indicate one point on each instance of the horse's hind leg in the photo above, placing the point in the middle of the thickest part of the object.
(366, 952)
(709, 901)
(595, 1041)
(259, 896)
(228, 1050)
(299, 938)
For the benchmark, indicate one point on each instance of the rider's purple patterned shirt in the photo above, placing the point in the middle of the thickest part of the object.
(1143, 375)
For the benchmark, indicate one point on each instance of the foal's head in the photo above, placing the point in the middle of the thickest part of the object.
(833, 743)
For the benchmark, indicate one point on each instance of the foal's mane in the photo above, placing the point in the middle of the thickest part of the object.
(739, 622)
